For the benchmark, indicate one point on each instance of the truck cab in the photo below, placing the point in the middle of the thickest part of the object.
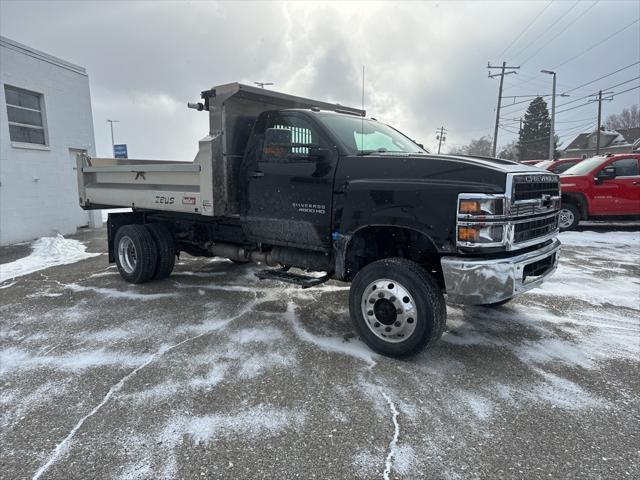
(601, 187)
(305, 186)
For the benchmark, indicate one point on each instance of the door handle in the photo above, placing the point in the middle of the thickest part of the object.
(257, 174)
(635, 183)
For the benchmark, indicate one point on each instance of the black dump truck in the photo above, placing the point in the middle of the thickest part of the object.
(317, 191)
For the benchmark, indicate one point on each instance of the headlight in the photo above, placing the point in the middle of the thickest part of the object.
(480, 205)
(480, 234)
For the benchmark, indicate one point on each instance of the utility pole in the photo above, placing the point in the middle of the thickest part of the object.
(262, 84)
(440, 136)
(111, 122)
(552, 132)
(501, 75)
(599, 100)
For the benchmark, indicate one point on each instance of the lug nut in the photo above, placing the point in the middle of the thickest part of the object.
(393, 299)
(377, 325)
(397, 324)
(381, 295)
(409, 320)
(387, 329)
(370, 312)
(372, 300)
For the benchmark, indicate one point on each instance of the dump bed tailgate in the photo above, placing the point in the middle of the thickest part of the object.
(148, 184)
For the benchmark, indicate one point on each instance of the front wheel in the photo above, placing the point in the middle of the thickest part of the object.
(396, 307)
(568, 217)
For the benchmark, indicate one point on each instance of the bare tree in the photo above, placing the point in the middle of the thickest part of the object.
(628, 118)
(510, 151)
(480, 146)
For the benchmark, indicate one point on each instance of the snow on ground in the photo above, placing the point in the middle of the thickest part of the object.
(213, 374)
(46, 252)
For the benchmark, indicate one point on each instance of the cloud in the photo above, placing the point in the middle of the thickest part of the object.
(424, 61)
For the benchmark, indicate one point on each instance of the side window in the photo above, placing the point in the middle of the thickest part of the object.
(625, 167)
(24, 111)
(303, 133)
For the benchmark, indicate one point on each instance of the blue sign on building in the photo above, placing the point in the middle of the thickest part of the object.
(120, 151)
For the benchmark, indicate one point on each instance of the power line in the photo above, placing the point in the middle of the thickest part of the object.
(547, 29)
(563, 30)
(589, 103)
(600, 78)
(589, 95)
(597, 44)
(522, 32)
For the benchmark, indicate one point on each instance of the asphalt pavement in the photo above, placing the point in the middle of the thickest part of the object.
(212, 373)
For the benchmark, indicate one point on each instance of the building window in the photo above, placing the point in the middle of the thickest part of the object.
(24, 110)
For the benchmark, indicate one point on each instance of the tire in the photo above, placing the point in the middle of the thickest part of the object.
(422, 306)
(569, 217)
(497, 304)
(136, 253)
(166, 250)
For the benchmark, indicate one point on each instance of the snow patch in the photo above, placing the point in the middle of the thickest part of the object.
(46, 252)
(354, 348)
(113, 293)
(262, 335)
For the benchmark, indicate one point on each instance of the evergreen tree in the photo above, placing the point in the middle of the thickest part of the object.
(533, 142)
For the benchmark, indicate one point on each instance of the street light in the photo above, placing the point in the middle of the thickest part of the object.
(113, 148)
(553, 114)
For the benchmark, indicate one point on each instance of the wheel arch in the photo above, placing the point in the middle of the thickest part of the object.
(579, 200)
(378, 241)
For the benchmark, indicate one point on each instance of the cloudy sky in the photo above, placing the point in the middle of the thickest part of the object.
(425, 62)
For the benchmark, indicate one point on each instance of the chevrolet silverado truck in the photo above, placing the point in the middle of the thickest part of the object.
(601, 188)
(317, 192)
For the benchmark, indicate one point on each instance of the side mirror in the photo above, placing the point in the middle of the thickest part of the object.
(607, 173)
(318, 153)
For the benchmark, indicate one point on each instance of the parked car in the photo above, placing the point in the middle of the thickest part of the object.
(560, 165)
(601, 187)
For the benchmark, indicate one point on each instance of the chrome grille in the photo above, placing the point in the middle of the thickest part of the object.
(534, 228)
(534, 187)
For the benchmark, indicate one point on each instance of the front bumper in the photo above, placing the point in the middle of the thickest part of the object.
(477, 281)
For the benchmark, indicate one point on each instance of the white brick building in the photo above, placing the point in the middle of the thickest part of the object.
(45, 119)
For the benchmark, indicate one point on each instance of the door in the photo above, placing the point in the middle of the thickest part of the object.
(290, 189)
(620, 195)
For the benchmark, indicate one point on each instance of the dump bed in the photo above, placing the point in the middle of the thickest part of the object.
(207, 186)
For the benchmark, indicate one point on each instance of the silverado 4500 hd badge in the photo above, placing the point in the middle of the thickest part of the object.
(310, 208)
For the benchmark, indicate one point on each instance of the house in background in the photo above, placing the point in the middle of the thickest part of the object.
(611, 141)
(45, 120)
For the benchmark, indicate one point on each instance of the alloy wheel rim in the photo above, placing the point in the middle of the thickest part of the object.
(127, 254)
(389, 310)
(566, 218)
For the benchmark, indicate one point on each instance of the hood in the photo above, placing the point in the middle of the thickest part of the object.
(456, 172)
(499, 164)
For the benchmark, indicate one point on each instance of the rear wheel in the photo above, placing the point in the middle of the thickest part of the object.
(569, 217)
(136, 253)
(166, 250)
(396, 307)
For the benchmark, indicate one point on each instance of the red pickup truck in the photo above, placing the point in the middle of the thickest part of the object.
(600, 187)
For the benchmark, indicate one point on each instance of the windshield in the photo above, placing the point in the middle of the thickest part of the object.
(585, 166)
(362, 136)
